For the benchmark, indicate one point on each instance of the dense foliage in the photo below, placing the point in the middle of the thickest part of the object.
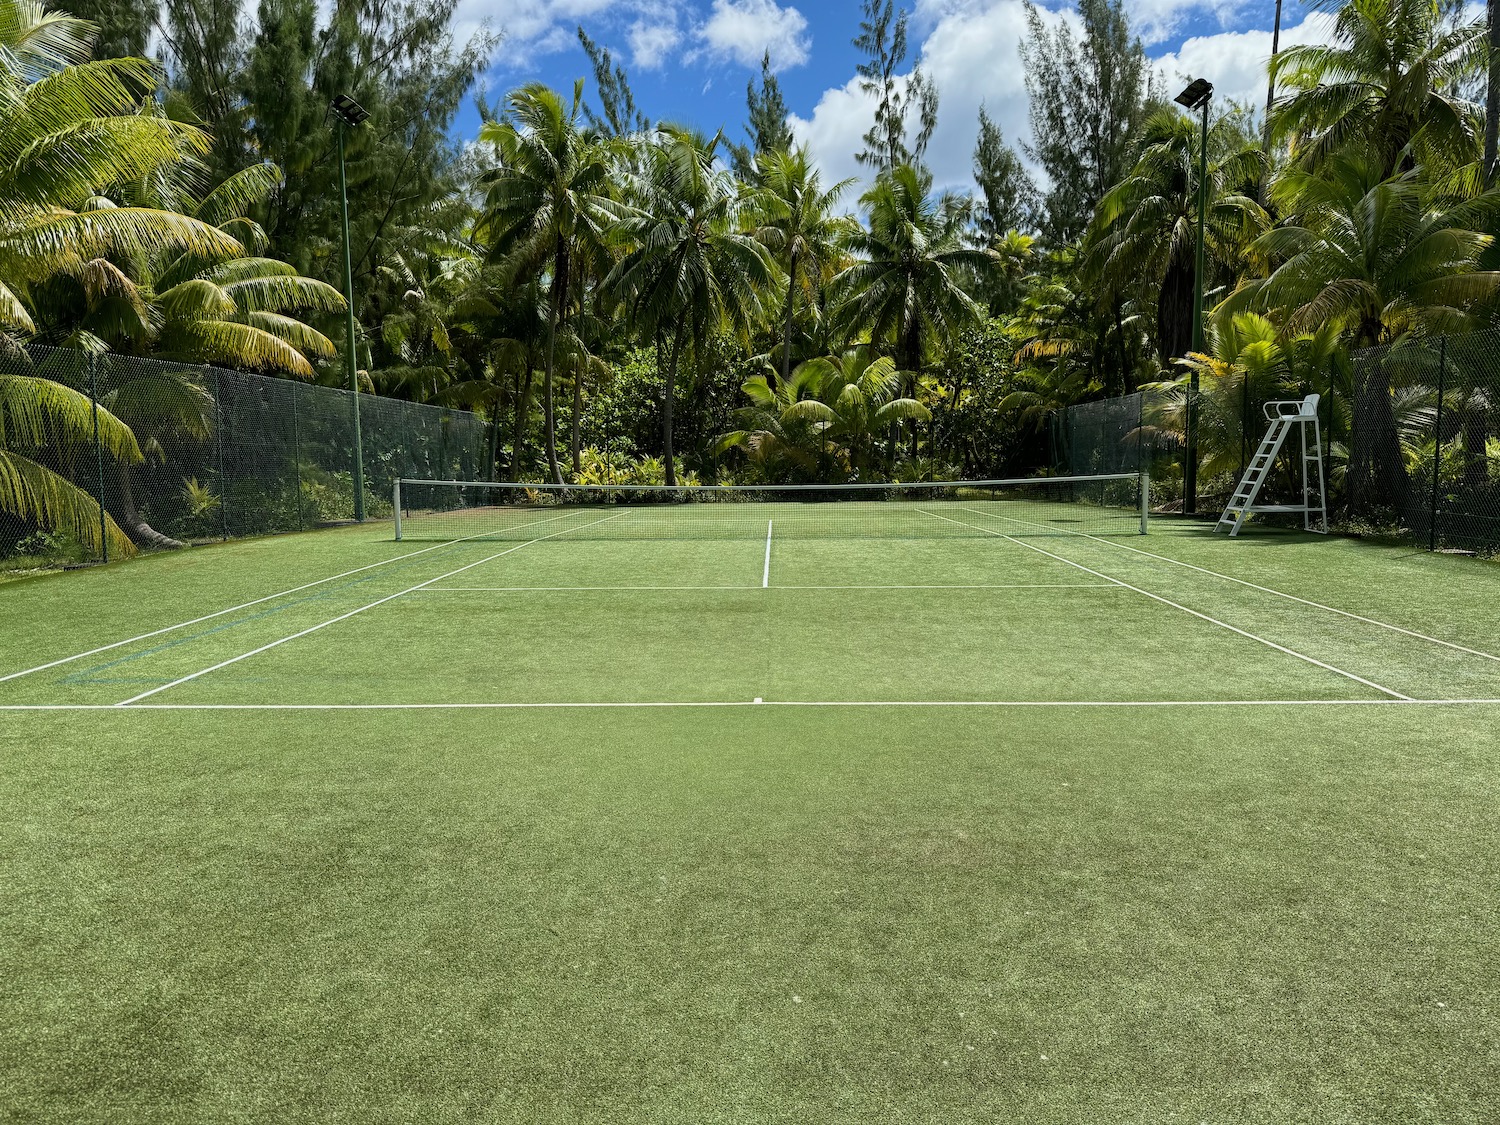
(655, 296)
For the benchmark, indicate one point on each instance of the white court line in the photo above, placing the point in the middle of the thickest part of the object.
(728, 703)
(247, 605)
(589, 589)
(1175, 605)
(345, 616)
(765, 577)
(1263, 589)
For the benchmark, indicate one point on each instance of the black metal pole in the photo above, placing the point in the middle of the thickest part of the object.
(219, 450)
(1437, 444)
(297, 459)
(93, 362)
(1190, 470)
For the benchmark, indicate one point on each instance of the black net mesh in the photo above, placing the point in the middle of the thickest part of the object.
(1438, 465)
(1101, 437)
(221, 454)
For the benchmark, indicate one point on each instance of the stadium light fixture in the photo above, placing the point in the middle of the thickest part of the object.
(351, 115)
(1198, 95)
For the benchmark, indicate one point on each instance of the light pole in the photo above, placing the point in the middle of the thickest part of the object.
(1198, 95)
(350, 113)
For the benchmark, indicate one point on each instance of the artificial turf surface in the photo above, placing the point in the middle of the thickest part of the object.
(754, 913)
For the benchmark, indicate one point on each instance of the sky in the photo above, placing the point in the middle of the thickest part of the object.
(689, 60)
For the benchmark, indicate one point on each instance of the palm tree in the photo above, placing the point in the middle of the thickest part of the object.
(906, 289)
(826, 413)
(800, 227)
(69, 129)
(549, 197)
(40, 419)
(691, 267)
(1376, 258)
(1388, 79)
(1144, 233)
(1247, 361)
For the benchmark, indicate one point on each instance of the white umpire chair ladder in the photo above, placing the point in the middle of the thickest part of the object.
(1283, 416)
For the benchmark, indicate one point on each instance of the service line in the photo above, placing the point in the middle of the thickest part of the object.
(1253, 586)
(248, 605)
(353, 612)
(1177, 605)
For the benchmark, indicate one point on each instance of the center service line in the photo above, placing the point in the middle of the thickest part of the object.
(765, 577)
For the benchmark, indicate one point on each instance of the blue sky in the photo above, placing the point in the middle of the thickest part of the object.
(689, 60)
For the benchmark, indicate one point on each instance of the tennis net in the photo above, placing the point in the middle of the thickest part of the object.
(1109, 504)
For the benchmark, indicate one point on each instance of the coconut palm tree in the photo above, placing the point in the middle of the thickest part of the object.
(800, 227)
(41, 420)
(906, 288)
(69, 129)
(823, 419)
(1144, 233)
(1247, 361)
(1376, 258)
(690, 267)
(549, 197)
(1388, 79)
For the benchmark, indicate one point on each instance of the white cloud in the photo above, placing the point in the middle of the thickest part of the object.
(745, 30)
(1235, 61)
(971, 51)
(651, 41)
(972, 55)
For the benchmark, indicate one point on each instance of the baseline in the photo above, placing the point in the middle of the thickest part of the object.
(116, 708)
(243, 605)
(345, 616)
(1201, 616)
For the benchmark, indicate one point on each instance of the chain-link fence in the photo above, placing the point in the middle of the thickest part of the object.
(180, 453)
(1411, 437)
(1424, 443)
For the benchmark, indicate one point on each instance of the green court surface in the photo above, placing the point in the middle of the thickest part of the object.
(1008, 825)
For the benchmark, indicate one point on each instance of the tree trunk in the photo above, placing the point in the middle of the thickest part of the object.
(523, 409)
(554, 314)
(1492, 94)
(1377, 483)
(494, 466)
(577, 449)
(129, 517)
(549, 419)
(577, 440)
(1265, 138)
(1174, 313)
(1127, 376)
(669, 394)
(1476, 433)
(791, 306)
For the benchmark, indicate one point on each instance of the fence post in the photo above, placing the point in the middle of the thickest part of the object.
(1437, 443)
(297, 457)
(219, 453)
(93, 362)
(1244, 425)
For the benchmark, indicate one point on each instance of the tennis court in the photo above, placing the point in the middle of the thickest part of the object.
(755, 811)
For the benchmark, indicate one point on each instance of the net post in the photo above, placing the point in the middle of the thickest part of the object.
(396, 505)
(1145, 498)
